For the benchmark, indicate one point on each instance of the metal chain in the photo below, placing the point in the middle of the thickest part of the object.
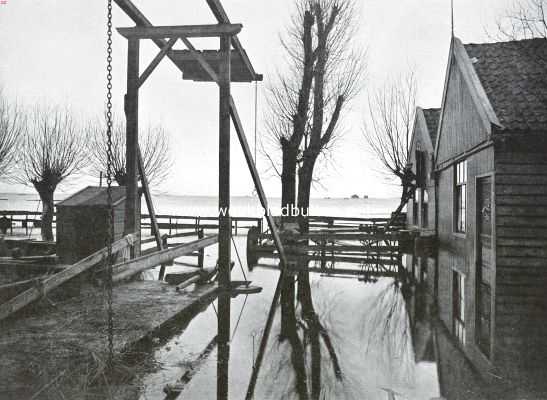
(110, 223)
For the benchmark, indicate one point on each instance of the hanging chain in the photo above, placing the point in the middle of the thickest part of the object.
(110, 224)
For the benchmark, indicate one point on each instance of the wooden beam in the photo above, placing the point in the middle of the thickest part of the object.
(224, 221)
(152, 66)
(61, 277)
(129, 268)
(132, 205)
(201, 59)
(256, 179)
(140, 20)
(222, 18)
(161, 32)
(151, 212)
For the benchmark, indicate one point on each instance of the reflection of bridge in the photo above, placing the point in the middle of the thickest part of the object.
(364, 247)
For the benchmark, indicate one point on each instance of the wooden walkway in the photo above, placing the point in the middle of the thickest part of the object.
(65, 344)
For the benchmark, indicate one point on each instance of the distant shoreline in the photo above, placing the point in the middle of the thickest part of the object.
(208, 196)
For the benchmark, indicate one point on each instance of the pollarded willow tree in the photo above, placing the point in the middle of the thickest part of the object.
(388, 132)
(52, 149)
(12, 125)
(154, 144)
(308, 97)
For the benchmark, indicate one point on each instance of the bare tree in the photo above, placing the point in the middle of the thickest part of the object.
(154, 144)
(306, 101)
(524, 20)
(52, 149)
(389, 129)
(11, 129)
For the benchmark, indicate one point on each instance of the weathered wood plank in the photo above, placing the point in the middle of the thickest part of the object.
(537, 158)
(162, 32)
(521, 169)
(514, 251)
(521, 200)
(521, 232)
(522, 242)
(521, 262)
(524, 221)
(61, 277)
(129, 268)
(506, 179)
(521, 211)
(525, 189)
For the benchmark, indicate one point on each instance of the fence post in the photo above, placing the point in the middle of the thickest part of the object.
(201, 253)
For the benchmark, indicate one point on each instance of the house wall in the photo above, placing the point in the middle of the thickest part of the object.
(457, 251)
(521, 251)
(462, 126)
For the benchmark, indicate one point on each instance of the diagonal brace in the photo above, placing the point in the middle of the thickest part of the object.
(164, 50)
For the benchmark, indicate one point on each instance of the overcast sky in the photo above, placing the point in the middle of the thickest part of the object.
(53, 51)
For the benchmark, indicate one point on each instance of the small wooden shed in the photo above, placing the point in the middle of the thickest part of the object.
(82, 222)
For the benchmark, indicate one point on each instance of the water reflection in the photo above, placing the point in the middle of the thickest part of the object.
(345, 339)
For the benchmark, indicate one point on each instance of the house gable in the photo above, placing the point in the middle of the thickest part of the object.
(421, 138)
(467, 116)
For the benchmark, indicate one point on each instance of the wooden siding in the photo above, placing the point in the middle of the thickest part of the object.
(521, 225)
(82, 230)
(458, 251)
(462, 126)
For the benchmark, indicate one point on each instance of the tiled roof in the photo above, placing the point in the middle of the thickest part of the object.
(514, 77)
(93, 196)
(432, 116)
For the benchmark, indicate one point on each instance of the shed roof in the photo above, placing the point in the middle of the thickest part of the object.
(94, 196)
(513, 77)
(432, 116)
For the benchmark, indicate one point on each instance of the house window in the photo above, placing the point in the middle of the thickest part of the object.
(425, 209)
(460, 194)
(415, 203)
(458, 306)
(421, 170)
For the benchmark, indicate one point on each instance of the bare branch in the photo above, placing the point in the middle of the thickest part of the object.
(12, 126)
(154, 144)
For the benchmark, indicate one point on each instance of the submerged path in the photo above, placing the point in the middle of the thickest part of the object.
(57, 342)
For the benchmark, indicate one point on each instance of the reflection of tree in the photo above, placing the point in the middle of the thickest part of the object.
(308, 339)
(387, 330)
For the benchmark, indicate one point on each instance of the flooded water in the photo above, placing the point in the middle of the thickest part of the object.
(364, 348)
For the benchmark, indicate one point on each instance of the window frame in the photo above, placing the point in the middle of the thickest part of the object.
(424, 208)
(460, 197)
(458, 304)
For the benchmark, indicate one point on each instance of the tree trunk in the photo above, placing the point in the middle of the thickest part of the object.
(305, 176)
(288, 177)
(46, 196)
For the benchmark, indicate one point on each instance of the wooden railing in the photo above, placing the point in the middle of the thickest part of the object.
(174, 223)
(21, 221)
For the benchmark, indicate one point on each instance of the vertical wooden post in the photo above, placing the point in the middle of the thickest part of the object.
(224, 222)
(132, 205)
(201, 254)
